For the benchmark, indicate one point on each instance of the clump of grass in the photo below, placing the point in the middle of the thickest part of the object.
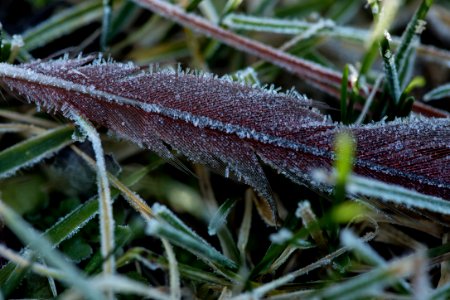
(180, 235)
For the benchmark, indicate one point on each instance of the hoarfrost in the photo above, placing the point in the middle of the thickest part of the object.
(281, 237)
(17, 41)
(420, 26)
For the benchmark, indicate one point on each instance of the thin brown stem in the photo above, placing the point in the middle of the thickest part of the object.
(324, 78)
(302, 68)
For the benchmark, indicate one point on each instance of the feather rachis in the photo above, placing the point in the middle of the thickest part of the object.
(217, 121)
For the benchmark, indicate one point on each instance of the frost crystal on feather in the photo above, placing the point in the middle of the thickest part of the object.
(233, 126)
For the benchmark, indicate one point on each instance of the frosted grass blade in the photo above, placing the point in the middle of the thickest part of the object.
(397, 194)
(373, 282)
(28, 235)
(104, 196)
(73, 222)
(440, 92)
(62, 23)
(174, 274)
(106, 23)
(220, 217)
(409, 40)
(23, 262)
(203, 251)
(32, 151)
(167, 225)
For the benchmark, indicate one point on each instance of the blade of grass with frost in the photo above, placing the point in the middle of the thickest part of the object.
(383, 18)
(174, 274)
(220, 217)
(220, 123)
(368, 254)
(104, 195)
(23, 262)
(390, 70)
(409, 40)
(106, 23)
(371, 283)
(310, 222)
(66, 21)
(440, 92)
(29, 236)
(217, 226)
(292, 27)
(168, 226)
(35, 149)
(123, 285)
(260, 291)
(74, 221)
(396, 194)
(204, 251)
(295, 27)
(152, 261)
(275, 250)
(244, 229)
(18, 127)
(247, 76)
(133, 199)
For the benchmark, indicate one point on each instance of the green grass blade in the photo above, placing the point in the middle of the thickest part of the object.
(414, 28)
(390, 71)
(29, 236)
(33, 150)
(168, 226)
(396, 194)
(344, 95)
(371, 283)
(345, 151)
(104, 195)
(440, 92)
(152, 260)
(220, 217)
(174, 273)
(106, 24)
(65, 22)
(70, 224)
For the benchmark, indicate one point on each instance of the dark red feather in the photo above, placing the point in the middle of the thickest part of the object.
(225, 124)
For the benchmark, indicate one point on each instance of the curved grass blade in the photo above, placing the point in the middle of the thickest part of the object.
(220, 217)
(104, 197)
(152, 260)
(167, 225)
(35, 149)
(409, 41)
(440, 92)
(397, 194)
(29, 236)
(65, 22)
(73, 222)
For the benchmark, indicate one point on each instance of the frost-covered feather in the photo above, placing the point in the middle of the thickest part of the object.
(230, 125)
